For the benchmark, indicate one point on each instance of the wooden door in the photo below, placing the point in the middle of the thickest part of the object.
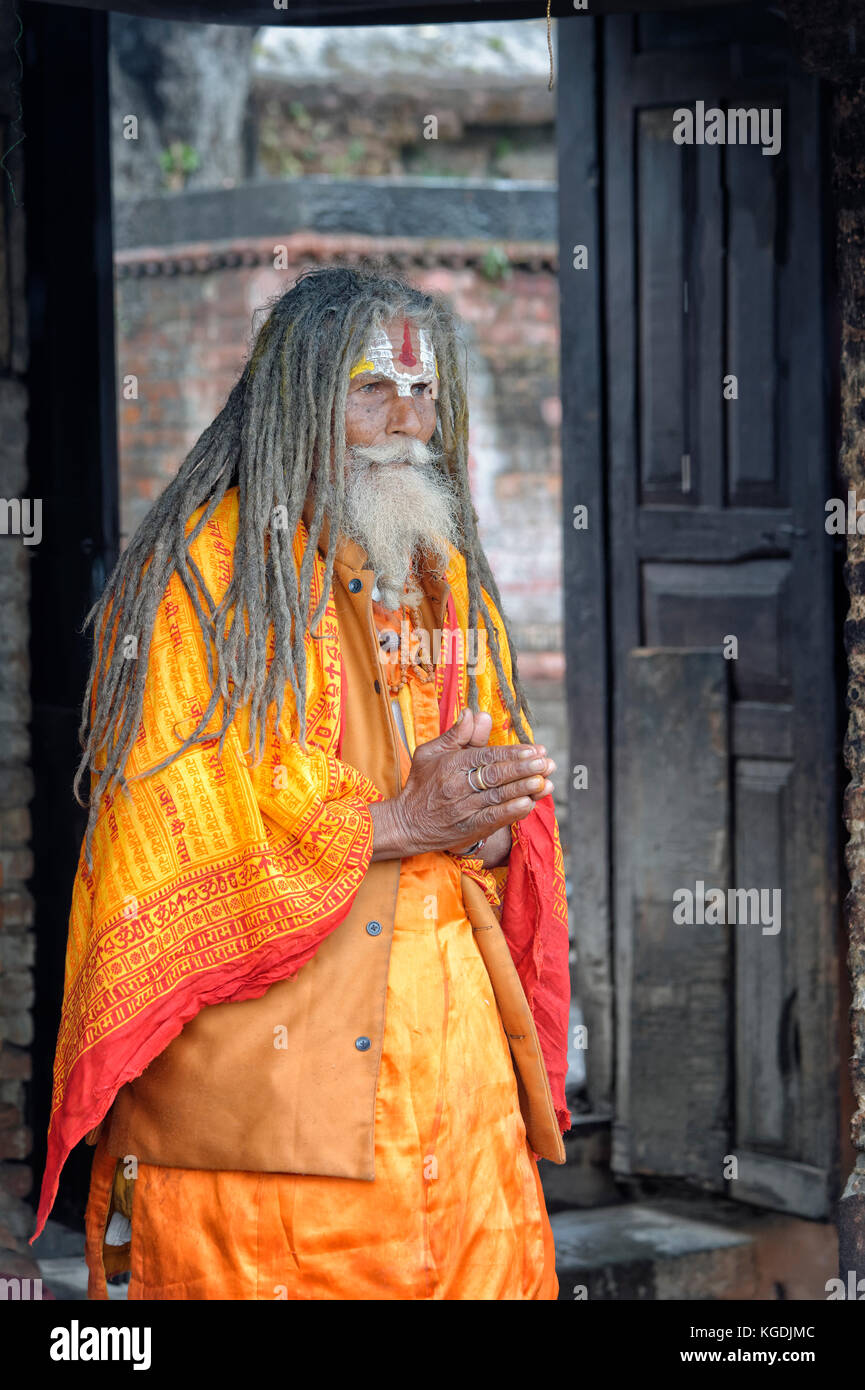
(719, 612)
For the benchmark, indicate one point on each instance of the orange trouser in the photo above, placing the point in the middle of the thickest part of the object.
(456, 1210)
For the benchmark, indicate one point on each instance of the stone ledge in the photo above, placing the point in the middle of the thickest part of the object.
(499, 210)
(692, 1250)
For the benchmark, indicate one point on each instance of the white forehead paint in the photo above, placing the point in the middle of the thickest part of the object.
(379, 356)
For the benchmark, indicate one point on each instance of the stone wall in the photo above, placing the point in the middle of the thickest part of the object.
(185, 317)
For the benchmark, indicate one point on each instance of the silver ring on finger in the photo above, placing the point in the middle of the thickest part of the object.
(480, 785)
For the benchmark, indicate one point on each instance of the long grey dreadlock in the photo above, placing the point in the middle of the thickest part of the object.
(285, 414)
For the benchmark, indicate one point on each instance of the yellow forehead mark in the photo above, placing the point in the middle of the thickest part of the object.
(366, 366)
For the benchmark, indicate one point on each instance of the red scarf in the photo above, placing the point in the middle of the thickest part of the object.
(534, 914)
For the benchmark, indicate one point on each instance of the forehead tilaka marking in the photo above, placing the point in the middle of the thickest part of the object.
(415, 362)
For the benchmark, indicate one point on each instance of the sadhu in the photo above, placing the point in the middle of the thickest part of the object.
(316, 996)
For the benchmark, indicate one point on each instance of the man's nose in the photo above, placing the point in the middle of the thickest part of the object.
(404, 417)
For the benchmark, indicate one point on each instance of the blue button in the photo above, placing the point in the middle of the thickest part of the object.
(362, 1044)
(355, 585)
(374, 928)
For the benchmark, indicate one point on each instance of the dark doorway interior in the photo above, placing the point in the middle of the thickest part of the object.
(73, 468)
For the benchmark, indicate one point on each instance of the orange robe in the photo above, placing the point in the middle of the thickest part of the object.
(456, 1210)
(218, 876)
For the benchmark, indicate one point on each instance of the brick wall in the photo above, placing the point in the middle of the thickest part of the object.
(16, 908)
(185, 322)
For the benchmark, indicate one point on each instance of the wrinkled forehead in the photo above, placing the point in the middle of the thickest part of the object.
(402, 352)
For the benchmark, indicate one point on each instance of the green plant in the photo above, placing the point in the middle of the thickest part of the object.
(495, 264)
(179, 160)
(300, 115)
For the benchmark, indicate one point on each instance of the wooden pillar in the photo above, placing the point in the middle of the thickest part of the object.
(830, 38)
(849, 167)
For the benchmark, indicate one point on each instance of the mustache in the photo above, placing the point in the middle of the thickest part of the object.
(394, 451)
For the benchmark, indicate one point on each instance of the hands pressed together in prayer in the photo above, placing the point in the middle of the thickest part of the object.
(440, 809)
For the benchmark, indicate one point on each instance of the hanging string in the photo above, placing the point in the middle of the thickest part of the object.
(550, 45)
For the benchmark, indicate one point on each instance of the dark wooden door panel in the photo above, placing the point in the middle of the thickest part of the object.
(765, 1024)
(673, 1001)
(756, 190)
(687, 605)
(679, 221)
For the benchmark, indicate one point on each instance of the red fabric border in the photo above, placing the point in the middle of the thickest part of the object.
(535, 923)
(534, 915)
(450, 691)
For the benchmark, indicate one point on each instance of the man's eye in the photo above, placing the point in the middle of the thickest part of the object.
(371, 386)
(422, 386)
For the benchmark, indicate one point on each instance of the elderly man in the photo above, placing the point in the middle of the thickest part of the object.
(316, 999)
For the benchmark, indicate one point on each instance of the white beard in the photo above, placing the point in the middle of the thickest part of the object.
(402, 510)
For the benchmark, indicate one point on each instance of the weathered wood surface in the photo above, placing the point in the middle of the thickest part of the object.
(673, 981)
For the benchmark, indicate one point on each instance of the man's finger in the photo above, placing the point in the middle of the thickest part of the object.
(471, 756)
(501, 774)
(457, 736)
(482, 730)
(470, 730)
